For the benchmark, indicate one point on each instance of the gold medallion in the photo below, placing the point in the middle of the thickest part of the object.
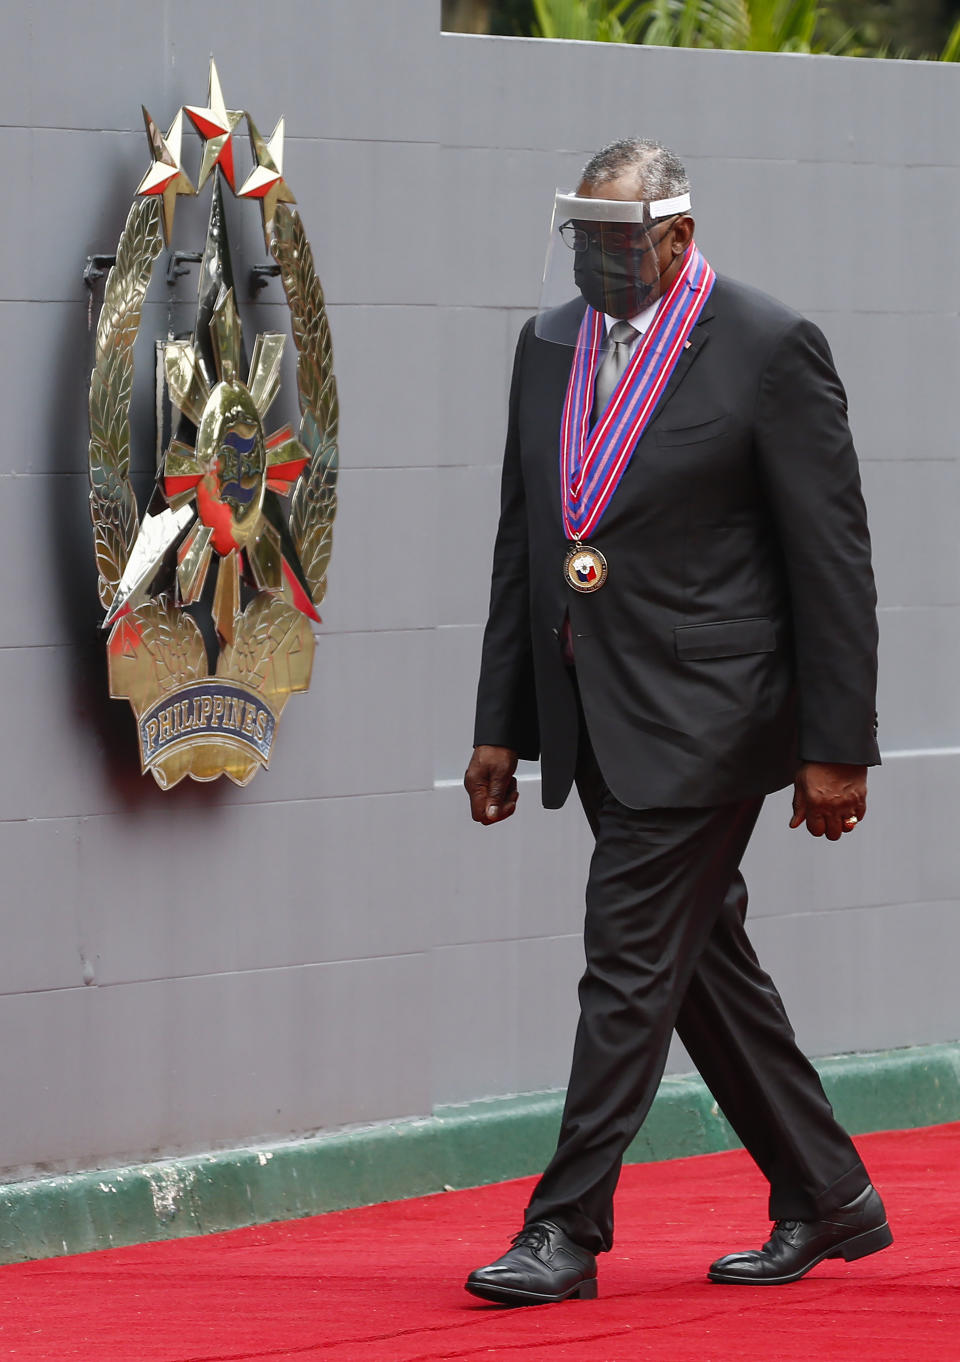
(585, 568)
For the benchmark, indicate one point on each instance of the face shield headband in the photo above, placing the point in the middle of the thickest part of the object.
(617, 210)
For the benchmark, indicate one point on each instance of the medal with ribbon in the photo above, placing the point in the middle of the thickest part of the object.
(593, 462)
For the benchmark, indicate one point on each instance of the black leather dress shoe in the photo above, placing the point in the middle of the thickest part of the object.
(795, 1246)
(543, 1265)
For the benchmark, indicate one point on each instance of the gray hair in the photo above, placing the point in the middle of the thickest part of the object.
(660, 174)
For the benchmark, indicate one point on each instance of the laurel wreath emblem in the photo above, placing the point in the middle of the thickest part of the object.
(315, 498)
(113, 506)
(157, 656)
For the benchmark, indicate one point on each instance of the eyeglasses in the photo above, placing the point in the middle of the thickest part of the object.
(632, 240)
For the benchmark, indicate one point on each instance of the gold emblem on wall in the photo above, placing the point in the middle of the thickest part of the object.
(210, 597)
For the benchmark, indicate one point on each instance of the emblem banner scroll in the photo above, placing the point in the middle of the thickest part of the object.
(210, 712)
(207, 665)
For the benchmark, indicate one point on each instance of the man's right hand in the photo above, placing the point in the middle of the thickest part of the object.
(490, 783)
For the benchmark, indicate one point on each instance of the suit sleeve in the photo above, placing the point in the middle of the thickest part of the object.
(812, 479)
(506, 713)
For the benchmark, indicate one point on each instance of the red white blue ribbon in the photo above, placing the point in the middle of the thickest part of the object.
(592, 463)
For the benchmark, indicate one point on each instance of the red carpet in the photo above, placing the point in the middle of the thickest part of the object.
(383, 1284)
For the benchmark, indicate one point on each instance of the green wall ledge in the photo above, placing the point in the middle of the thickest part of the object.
(458, 1146)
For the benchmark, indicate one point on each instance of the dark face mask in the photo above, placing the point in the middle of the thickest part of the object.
(610, 283)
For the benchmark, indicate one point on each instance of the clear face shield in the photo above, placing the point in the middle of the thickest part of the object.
(606, 251)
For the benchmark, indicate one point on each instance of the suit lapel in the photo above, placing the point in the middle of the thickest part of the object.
(636, 479)
(699, 337)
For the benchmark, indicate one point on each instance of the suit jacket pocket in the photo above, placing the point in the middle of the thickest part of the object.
(692, 434)
(725, 638)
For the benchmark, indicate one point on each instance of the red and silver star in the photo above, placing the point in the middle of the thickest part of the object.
(215, 124)
(165, 177)
(265, 182)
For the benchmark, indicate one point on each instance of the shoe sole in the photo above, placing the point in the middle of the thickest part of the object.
(860, 1246)
(505, 1295)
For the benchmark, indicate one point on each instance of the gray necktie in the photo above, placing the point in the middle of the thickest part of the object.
(620, 338)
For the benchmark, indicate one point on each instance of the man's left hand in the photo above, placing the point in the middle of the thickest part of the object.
(831, 798)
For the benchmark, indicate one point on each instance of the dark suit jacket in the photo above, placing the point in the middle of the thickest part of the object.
(736, 632)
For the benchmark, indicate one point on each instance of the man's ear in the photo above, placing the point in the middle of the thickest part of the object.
(682, 234)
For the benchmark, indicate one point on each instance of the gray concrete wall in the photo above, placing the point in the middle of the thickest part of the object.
(338, 943)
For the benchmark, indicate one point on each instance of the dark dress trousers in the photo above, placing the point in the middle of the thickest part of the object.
(735, 636)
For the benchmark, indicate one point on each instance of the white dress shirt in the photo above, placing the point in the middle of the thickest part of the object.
(640, 322)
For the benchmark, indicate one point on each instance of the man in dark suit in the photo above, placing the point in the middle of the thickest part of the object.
(719, 643)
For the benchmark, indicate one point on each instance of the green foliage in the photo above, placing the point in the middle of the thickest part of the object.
(695, 23)
(758, 25)
(782, 25)
(514, 18)
(891, 28)
(951, 48)
(601, 21)
(870, 28)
